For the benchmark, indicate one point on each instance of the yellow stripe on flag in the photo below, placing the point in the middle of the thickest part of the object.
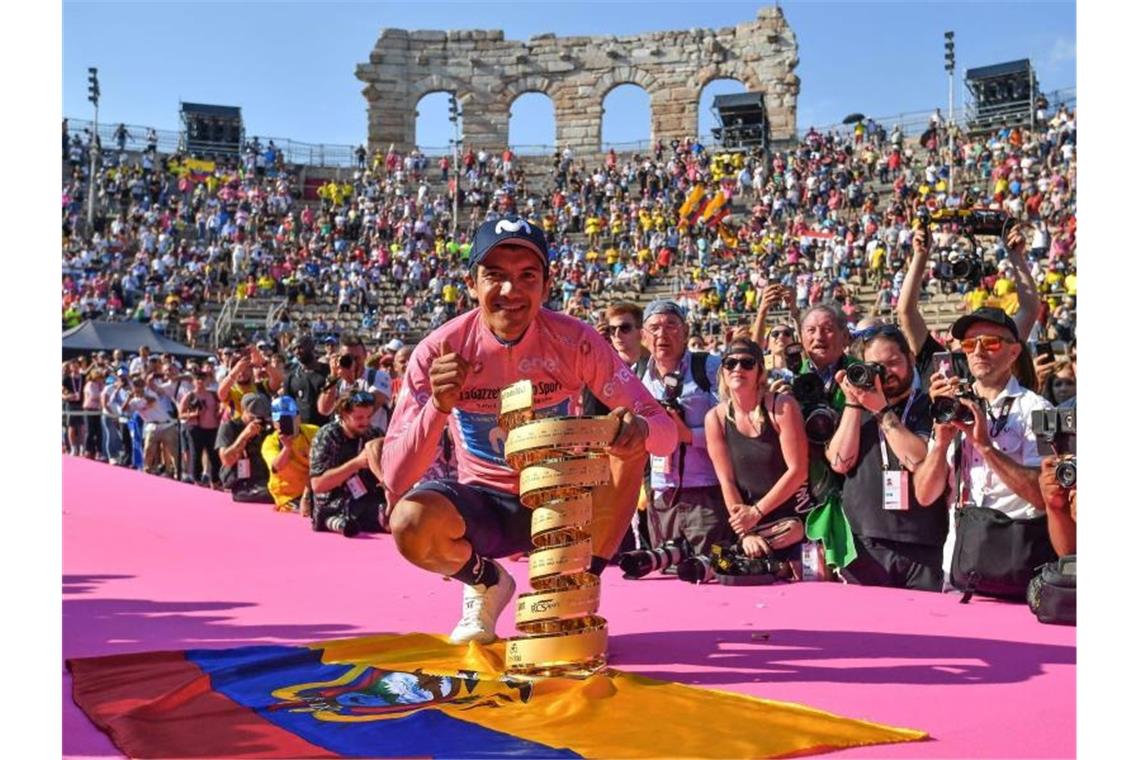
(612, 714)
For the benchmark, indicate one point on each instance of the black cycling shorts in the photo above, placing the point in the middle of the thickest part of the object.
(498, 525)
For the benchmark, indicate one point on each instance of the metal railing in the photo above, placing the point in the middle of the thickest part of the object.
(333, 155)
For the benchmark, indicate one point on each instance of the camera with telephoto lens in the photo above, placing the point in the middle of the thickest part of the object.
(642, 562)
(674, 387)
(342, 524)
(863, 374)
(1056, 432)
(733, 567)
(696, 569)
(820, 420)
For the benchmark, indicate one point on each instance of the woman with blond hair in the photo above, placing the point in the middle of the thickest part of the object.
(759, 449)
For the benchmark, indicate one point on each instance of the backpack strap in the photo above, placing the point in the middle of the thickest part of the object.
(700, 370)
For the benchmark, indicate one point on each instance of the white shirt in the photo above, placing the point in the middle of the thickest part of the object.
(1015, 440)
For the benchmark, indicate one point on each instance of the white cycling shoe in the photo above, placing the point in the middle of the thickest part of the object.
(482, 606)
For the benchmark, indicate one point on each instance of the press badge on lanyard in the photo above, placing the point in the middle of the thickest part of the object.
(354, 484)
(243, 469)
(896, 483)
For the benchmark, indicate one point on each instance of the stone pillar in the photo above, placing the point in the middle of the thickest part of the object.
(391, 122)
(673, 113)
(486, 119)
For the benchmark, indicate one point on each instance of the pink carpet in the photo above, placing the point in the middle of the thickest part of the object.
(150, 564)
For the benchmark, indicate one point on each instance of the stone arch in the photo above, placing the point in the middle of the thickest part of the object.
(705, 118)
(620, 75)
(513, 139)
(489, 72)
(603, 124)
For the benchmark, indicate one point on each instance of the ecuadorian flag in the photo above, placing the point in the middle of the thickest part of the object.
(417, 695)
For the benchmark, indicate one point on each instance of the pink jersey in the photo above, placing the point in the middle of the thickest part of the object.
(559, 354)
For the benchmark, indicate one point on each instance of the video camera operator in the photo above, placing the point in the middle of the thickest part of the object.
(239, 443)
(918, 336)
(997, 462)
(687, 499)
(344, 469)
(898, 526)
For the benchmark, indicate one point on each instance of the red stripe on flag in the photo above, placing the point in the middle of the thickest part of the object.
(155, 703)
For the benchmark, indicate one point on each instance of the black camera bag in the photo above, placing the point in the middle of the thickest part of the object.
(995, 555)
(1052, 593)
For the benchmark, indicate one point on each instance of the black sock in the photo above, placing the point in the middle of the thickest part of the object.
(598, 564)
(477, 571)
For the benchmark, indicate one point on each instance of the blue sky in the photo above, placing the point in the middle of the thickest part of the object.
(289, 66)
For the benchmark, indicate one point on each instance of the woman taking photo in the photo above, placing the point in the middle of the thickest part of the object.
(759, 449)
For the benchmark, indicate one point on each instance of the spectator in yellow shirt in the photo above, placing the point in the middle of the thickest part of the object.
(286, 454)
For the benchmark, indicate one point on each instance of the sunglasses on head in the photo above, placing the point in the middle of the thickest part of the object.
(746, 363)
(624, 328)
(361, 398)
(989, 343)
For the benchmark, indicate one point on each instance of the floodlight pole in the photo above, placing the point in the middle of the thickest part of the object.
(950, 111)
(93, 96)
(455, 114)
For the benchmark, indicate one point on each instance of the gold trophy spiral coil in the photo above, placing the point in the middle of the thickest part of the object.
(560, 460)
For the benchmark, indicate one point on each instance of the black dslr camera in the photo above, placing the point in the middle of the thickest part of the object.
(946, 409)
(955, 266)
(863, 374)
(1056, 431)
(733, 567)
(820, 420)
(642, 562)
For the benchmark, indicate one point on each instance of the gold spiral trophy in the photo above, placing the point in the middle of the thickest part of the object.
(561, 461)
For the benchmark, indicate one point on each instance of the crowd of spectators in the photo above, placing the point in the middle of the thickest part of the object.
(815, 223)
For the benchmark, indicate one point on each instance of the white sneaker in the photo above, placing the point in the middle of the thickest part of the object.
(482, 606)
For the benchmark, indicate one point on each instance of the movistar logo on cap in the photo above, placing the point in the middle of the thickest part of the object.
(506, 225)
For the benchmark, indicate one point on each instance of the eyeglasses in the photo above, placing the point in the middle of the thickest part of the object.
(781, 334)
(624, 329)
(746, 363)
(990, 343)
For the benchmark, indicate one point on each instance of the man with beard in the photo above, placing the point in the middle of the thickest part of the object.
(344, 469)
(879, 444)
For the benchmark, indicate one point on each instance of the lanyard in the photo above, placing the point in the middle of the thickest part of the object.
(882, 439)
(998, 425)
(961, 461)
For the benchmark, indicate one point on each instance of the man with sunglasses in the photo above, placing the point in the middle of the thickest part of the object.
(996, 459)
(879, 444)
(622, 327)
(456, 374)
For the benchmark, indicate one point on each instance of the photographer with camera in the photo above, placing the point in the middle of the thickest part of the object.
(759, 450)
(286, 452)
(244, 472)
(348, 373)
(686, 493)
(243, 378)
(881, 441)
(918, 336)
(344, 470)
(996, 463)
(307, 381)
(160, 431)
(201, 415)
(1059, 491)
